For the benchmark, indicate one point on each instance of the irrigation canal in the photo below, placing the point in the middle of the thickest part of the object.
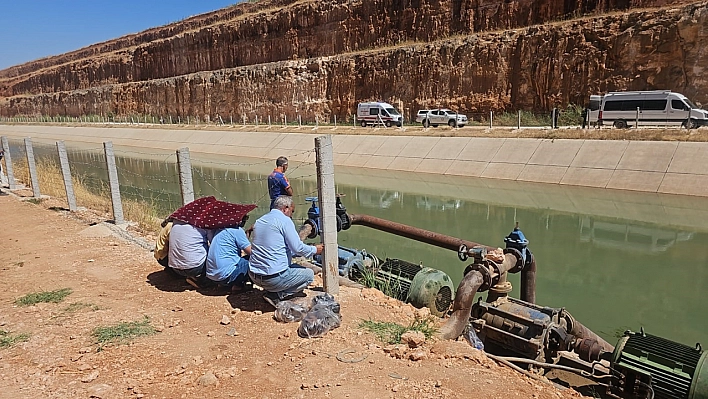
(616, 260)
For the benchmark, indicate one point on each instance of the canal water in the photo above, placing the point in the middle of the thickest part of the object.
(616, 260)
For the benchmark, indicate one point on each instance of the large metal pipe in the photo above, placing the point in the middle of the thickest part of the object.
(528, 282)
(462, 307)
(464, 297)
(414, 233)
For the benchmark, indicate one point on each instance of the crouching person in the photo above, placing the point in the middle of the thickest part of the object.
(227, 262)
(162, 244)
(188, 249)
(275, 241)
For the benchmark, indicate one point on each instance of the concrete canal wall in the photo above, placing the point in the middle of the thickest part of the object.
(656, 167)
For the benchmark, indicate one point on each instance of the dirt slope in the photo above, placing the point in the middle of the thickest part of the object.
(193, 354)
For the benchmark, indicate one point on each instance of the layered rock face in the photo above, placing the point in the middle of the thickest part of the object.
(407, 52)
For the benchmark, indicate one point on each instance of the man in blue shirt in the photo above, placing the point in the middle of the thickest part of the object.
(275, 241)
(278, 184)
(227, 262)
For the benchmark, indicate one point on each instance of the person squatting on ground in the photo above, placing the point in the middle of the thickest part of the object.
(275, 241)
(278, 184)
(162, 244)
(188, 248)
(227, 261)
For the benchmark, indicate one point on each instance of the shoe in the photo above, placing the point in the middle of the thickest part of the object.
(272, 298)
(193, 282)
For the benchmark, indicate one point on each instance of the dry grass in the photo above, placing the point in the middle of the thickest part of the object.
(51, 183)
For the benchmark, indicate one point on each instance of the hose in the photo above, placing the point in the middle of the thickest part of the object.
(554, 366)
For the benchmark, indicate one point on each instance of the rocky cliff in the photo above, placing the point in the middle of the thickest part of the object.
(321, 58)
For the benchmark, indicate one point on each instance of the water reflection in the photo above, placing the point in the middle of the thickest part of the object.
(615, 259)
(628, 237)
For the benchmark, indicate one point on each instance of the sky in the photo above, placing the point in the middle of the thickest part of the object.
(33, 29)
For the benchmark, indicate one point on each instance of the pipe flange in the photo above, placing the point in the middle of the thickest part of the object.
(314, 230)
(486, 275)
(519, 266)
(501, 288)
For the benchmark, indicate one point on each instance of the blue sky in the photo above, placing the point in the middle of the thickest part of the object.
(32, 29)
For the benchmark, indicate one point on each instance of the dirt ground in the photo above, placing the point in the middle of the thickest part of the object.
(195, 354)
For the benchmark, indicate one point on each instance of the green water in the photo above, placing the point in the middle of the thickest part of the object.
(616, 260)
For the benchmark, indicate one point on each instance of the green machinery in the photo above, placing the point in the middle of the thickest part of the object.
(646, 366)
(420, 286)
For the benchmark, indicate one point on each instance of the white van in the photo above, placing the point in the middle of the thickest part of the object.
(594, 109)
(650, 108)
(378, 113)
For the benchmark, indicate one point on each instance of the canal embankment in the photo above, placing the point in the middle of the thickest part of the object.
(668, 167)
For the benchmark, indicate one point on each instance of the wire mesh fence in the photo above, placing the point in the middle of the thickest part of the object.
(149, 183)
(571, 115)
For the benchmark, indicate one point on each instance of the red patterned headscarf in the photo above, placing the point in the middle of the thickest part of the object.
(210, 213)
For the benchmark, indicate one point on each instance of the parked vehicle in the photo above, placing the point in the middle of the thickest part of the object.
(594, 109)
(444, 116)
(420, 116)
(650, 108)
(373, 113)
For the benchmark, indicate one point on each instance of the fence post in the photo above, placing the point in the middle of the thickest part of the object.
(186, 186)
(8, 164)
(113, 183)
(299, 121)
(256, 120)
(553, 117)
(491, 117)
(327, 199)
(636, 120)
(66, 174)
(335, 121)
(32, 168)
(285, 120)
(268, 121)
(354, 119)
(518, 119)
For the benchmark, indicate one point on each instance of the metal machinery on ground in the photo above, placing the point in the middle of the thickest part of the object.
(535, 340)
(418, 285)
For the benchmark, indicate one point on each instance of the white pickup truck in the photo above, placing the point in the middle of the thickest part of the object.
(443, 116)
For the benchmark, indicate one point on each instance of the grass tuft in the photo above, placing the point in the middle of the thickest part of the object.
(123, 332)
(55, 296)
(7, 339)
(391, 332)
(390, 287)
(76, 306)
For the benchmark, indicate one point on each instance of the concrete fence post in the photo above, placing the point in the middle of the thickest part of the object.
(335, 121)
(32, 168)
(285, 120)
(66, 175)
(327, 200)
(518, 119)
(299, 121)
(491, 118)
(8, 164)
(186, 185)
(636, 119)
(354, 119)
(268, 121)
(113, 183)
(256, 120)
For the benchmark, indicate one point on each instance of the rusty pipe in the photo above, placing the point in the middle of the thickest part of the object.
(462, 306)
(528, 282)
(414, 233)
(577, 329)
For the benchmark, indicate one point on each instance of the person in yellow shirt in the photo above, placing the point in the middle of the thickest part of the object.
(162, 244)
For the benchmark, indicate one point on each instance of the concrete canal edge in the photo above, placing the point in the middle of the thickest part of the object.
(645, 166)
